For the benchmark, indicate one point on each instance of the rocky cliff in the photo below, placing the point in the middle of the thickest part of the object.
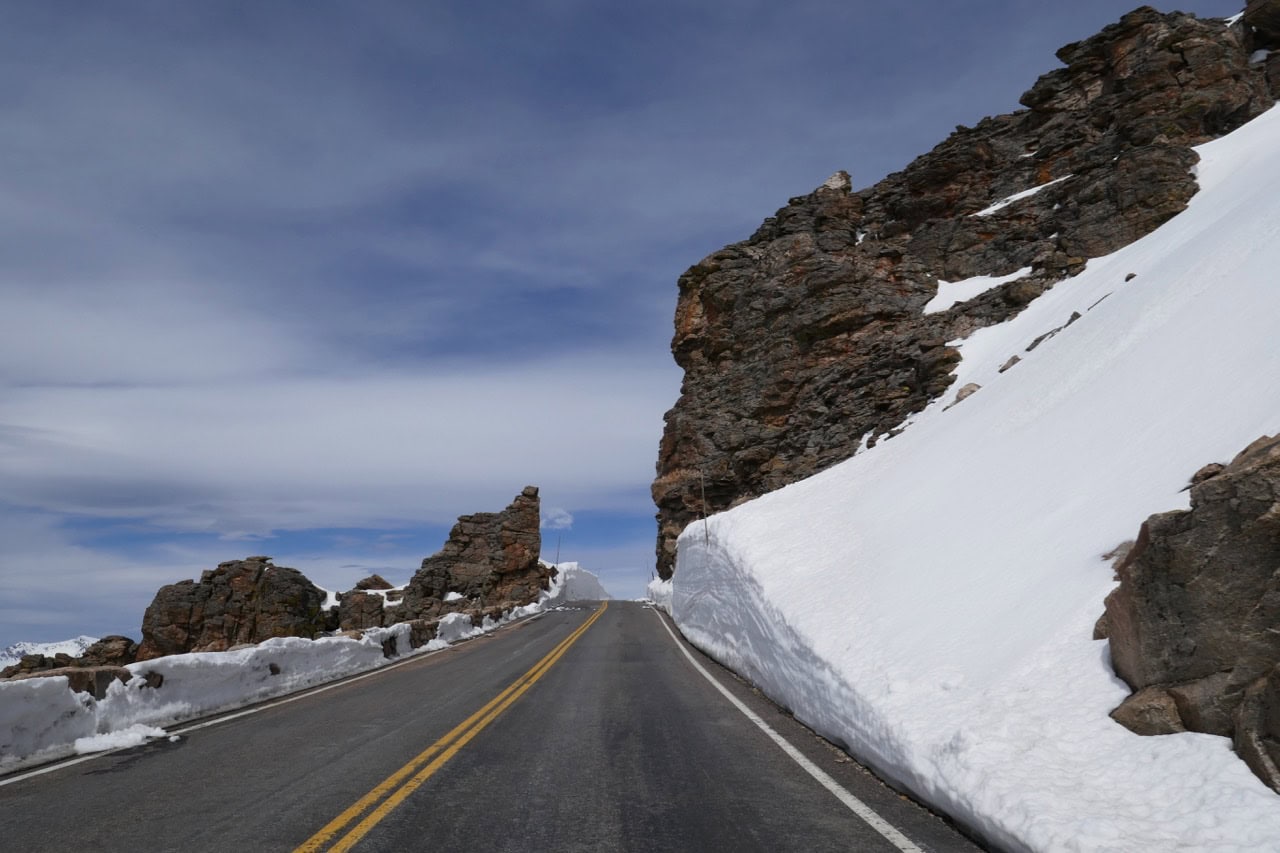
(1195, 623)
(810, 336)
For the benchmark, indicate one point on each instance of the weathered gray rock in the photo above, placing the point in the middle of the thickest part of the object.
(809, 335)
(1150, 711)
(490, 559)
(241, 601)
(1257, 730)
(1198, 605)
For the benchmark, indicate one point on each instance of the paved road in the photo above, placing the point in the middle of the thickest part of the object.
(613, 741)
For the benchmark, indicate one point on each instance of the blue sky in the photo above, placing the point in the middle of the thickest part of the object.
(313, 279)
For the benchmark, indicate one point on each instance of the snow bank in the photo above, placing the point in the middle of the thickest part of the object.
(41, 719)
(574, 583)
(930, 602)
(659, 592)
(202, 683)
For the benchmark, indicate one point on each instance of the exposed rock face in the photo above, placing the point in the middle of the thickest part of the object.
(113, 650)
(373, 582)
(241, 601)
(491, 560)
(1197, 612)
(359, 609)
(810, 334)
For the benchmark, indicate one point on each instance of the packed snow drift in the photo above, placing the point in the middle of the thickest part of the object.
(42, 719)
(930, 602)
(574, 583)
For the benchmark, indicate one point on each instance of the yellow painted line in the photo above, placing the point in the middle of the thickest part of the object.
(392, 791)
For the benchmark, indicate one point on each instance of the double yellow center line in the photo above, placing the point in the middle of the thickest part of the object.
(393, 791)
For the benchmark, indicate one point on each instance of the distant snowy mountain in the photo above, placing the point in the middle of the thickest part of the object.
(10, 655)
(930, 602)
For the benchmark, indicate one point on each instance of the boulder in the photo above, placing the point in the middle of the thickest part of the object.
(113, 650)
(1150, 711)
(241, 601)
(1198, 603)
(490, 559)
(810, 335)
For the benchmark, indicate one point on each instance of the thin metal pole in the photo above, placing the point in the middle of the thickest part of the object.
(706, 534)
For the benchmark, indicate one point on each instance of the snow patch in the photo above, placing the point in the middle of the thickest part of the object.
(1008, 200)
(954, 292)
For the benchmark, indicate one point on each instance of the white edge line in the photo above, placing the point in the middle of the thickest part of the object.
(301, 693)
(861, 809)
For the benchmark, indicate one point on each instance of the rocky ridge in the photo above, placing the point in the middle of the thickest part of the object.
(488, 566)
(810, 336)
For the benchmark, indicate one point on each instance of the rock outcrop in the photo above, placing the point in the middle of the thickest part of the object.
(490, 562)
(359, 609)
(811, 334)
(241, 601)
(112, 650)
(1195, 623)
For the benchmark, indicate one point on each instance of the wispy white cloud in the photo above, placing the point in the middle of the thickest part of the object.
(555, 518)
(255, 456)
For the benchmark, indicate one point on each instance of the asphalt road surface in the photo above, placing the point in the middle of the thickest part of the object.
(585, 729)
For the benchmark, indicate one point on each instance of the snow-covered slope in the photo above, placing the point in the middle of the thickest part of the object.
(11, 654)
(930, 602)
